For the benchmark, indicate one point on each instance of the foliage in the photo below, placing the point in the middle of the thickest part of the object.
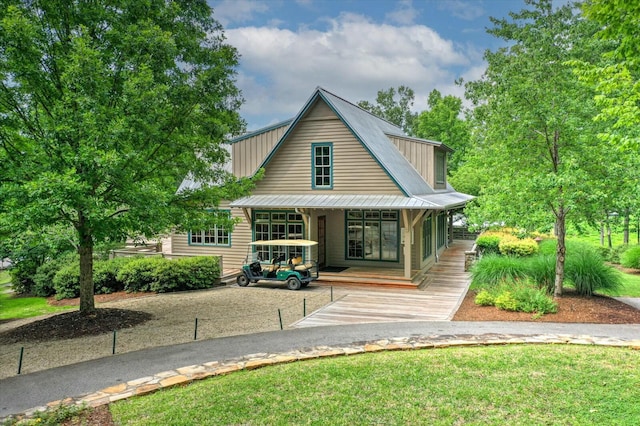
(536, 138)
(541, 270)
(631, 258)
(513, 246)
(488, 243)
(588, 273)
(471, 385)
(506, 301)
(66, 281)
(105, 275)
(485, 298)
(442, 123)
(43, 279)
(140, 273)
(394, 111)
(492, 270)
(532, 299)
(104, 110)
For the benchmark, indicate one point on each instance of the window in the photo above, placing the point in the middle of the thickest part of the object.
(278, 225)
(372, 235)
(427, 237)
(441, 231)
(216, 236)
(322, 167)
(441, 158)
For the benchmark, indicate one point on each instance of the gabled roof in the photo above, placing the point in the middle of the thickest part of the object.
(371, 132)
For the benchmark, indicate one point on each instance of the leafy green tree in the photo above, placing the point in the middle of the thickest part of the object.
(394, 106)
(536, 117)
(616, 78)
(442, 122)
(104, 107)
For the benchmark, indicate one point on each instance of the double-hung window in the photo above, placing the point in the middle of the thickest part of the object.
(322, 165)
(216, 236)
(441, 161)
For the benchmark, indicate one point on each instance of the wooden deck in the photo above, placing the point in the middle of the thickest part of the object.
(444, 288)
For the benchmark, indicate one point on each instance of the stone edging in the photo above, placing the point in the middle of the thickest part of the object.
(188, 374)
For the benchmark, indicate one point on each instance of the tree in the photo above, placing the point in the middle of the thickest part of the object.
(539, 137)
(616, 77)
(104, 108)
(396, 111)
(442, 122)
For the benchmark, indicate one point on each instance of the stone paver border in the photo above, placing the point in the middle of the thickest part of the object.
(188, 374)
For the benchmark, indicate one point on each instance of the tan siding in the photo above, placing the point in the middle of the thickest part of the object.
(420, 155)
(354, 170)
(233, 256)
(248, 153)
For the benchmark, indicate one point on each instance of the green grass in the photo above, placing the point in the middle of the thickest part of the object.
(534, 384)
(630, 286)
(23, 307)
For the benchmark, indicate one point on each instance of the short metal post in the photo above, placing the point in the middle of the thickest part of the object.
(195, 332)
(113, 349)
(332, 293)
(280, 317)
(304, 308)
(20, 361)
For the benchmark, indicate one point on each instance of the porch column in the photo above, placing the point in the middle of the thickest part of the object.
(450, 233)
(407, 227)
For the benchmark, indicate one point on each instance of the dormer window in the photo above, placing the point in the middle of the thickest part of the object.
(441, 167)
(322, 164)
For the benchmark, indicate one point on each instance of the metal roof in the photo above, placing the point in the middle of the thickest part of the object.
(334, 201)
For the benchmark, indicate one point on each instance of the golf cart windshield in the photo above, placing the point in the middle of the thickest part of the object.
(268, 250)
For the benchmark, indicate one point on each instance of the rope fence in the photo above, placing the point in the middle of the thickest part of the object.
(27, 356)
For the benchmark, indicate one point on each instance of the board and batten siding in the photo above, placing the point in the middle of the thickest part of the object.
(420, 155)
(232, 256)
(247, 154)
(354, 170)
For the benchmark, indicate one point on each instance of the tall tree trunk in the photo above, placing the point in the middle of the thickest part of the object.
(609, 242)
(625, 237)
(561, 250)
(602, 234)
(85, 250)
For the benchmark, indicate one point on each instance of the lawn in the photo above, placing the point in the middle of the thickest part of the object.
(523, 384)
(23, 307)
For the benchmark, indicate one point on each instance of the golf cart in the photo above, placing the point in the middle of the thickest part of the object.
(286, 265)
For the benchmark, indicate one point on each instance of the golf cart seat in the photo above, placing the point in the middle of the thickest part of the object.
(296, 264)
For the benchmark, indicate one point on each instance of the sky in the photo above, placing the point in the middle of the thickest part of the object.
(354, 48)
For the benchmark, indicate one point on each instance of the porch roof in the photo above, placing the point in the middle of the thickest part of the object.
(436, 201)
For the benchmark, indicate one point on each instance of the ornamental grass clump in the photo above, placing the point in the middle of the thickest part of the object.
(631, 258)
(492, 270)
(588, 273)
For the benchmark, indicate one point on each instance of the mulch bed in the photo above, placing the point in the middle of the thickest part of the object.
(572, 308)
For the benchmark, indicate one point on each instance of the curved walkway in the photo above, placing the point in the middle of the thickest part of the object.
(109, 379)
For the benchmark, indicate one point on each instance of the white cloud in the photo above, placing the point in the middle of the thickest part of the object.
(354, 58)
(404, 14)
(230, 11)
(467, 10)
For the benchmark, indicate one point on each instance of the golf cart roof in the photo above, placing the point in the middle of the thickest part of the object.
(290, 243)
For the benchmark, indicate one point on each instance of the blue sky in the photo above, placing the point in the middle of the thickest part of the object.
(353, 48)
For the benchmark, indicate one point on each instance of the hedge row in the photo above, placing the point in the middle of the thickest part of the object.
(154, 274)
(506, 243)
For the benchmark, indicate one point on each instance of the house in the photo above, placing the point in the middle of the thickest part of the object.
(370, 195)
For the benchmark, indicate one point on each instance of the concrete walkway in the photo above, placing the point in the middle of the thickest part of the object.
(120, 376)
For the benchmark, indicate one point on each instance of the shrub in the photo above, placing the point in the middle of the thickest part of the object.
(631, 258)
(512, 246)
(43, 278)
(140, 273)
(488, 243)
(105, 275)
(506, 301)
(187, 274)
(490, 271)
(534, 300)
(541, 269)
(67, 281)
(484, 298)
(588, 273)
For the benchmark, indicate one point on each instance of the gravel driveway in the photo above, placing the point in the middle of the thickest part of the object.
(222, 311)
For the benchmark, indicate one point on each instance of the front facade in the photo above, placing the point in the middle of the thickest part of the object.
(370, 195)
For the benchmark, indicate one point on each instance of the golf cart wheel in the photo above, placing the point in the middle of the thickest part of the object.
(242, 280)
(293, 283)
